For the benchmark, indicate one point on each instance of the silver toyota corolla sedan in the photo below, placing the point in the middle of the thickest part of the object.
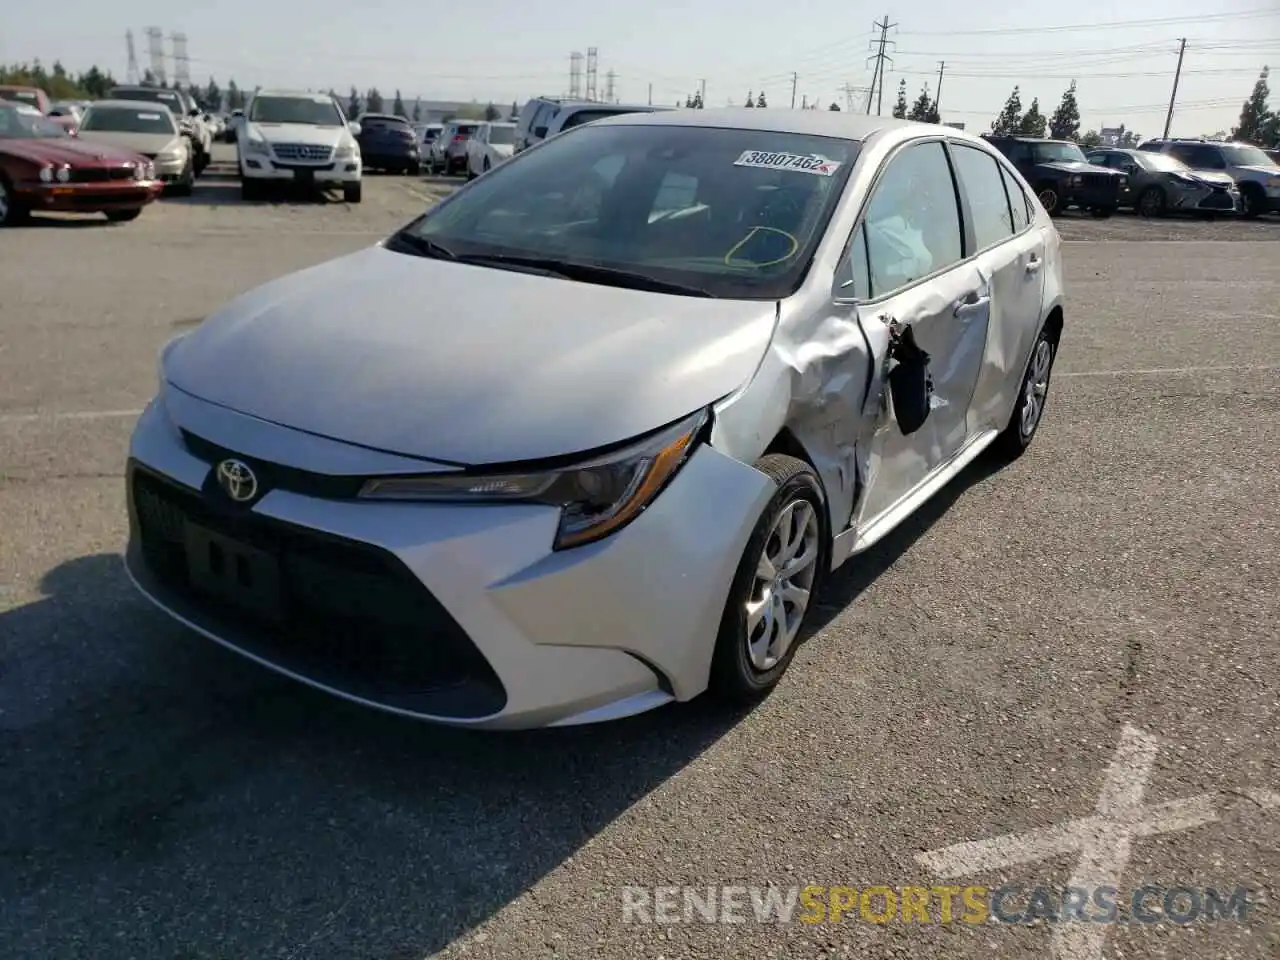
(586, 437)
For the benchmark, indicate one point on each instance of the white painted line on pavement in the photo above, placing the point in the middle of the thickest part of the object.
(1170, 371)
(69, 415)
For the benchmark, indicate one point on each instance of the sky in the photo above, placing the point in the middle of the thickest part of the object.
(1122, 56)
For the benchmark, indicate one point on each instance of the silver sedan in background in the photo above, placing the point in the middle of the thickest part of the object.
(587, 437)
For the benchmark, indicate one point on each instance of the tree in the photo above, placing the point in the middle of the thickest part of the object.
(922, 109)
(688, 101)
(900, 108)
(1255, 116)
(834, 106)
(235, 96)
(1010, 117)
(1090, 139)
(515, 110)
(1065, 122)
(750, 100)
(212, 96)
(353, 103)
(398, 107)
(760, 100)
(373, 101)
(492, 113)
(58, 83)
(148, 78)
(1033, 122)
(697, 100)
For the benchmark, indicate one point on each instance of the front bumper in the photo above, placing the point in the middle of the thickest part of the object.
(92, 197)
(401, 159)
(457, 614)
(260, 167)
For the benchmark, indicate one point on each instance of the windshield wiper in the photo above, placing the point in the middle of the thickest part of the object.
(588, 272)
(423, 246)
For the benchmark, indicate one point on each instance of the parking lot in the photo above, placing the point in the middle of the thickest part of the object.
(1093, 628)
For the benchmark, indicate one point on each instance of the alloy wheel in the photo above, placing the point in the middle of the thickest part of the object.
(1049, 199)
(1035, 391)
(785, 575)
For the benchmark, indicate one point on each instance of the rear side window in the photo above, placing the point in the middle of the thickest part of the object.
(979, 175)
(586, 116)
(1019, 205)
(1193, 155)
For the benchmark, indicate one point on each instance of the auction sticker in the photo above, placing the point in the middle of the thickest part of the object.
(788, 161)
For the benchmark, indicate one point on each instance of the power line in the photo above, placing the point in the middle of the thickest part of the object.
(1111, 25)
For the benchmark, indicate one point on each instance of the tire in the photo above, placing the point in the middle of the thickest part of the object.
(123, 216)
(1102, 213)
(1253, 202)
(486, 165)
(1152, 203)
(470, 175)
(414, 170)
(186, 183)
(11, 212)
(251, 189)
(1047, 194)
(738, 676)
(351, 192)
(1016, 437)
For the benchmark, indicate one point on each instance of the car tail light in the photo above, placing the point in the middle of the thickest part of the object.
(459, 138)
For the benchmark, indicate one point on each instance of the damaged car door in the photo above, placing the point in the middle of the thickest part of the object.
(919, 289)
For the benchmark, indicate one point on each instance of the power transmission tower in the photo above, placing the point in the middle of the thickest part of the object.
(937, 98)
(795, 80)
(133, 74)
(1177, 74)
(881, 58)
(155, 51)
(181, 63)
(575, 76)
(592, 69)
(609, 79)
(848, 90)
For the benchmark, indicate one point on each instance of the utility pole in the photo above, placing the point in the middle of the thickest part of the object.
(795, 80)
(651, 94)
(881, 58)
(702, 92)
(937, 98)
(1168, 119)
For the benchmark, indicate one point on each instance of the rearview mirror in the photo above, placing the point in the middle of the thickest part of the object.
(354, 128)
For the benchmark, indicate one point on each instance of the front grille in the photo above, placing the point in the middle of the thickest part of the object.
(1218, 200)
(345, 614)
(276, 476)
(302, 152)
(100, 174)
(1101, 181)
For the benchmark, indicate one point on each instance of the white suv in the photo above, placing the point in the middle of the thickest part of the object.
(287, 137)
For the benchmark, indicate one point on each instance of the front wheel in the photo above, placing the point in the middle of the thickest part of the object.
(773, 589)
(1152, 202)
(414, 169)
(10, 211)
(251, 189)
(123, 216)
(1033, 396)
(351, 192)
(1047, 194)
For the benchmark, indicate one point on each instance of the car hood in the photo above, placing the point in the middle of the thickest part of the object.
(502, 149)
(132, 142)
(1076, 166)
(298, 133)
(467, 364)
(1211, 176)
(64, 151)
(1261, 170)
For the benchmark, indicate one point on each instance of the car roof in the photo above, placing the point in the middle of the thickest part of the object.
(118, 104)
(383, 116)
(20, 106)
(498, 123)
(825, 123)
(300, 94)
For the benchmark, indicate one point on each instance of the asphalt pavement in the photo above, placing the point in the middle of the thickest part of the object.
(1077, 653)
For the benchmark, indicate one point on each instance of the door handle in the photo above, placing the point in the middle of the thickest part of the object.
(971, 302)
(1034, 264)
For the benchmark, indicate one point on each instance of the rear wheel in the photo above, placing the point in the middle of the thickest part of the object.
(123, 216)
(1033, 396)
(774, 586)
(1253, 202)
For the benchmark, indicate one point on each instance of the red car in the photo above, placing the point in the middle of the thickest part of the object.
(44, 169)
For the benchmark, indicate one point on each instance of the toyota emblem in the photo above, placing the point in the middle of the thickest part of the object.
(237, 481)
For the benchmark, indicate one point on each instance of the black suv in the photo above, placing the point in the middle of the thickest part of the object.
(1061, 176)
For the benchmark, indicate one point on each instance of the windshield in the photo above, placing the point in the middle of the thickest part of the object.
(167, 97)
(502, 135)
(17, 124)
(1241, 155)
(1057, 153)
(318, 111)
(736, 213)
(24, 96)
(121, 120)
(1159, 162)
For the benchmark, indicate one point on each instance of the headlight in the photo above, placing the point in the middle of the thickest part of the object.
(255, 145)
(63, 174)
(346, 151)
(1273, 181)
(1077, 180)
(596, 498)
(46, 174)
(169, 156)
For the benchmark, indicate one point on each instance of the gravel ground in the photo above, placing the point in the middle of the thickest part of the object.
(973, 676)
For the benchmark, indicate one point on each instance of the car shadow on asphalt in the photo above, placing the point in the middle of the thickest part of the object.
(77, 221)
(225, 192)
(222, 801)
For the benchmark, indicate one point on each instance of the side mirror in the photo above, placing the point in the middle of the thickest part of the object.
(539, 132)
(193, 112)
(354, 128)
